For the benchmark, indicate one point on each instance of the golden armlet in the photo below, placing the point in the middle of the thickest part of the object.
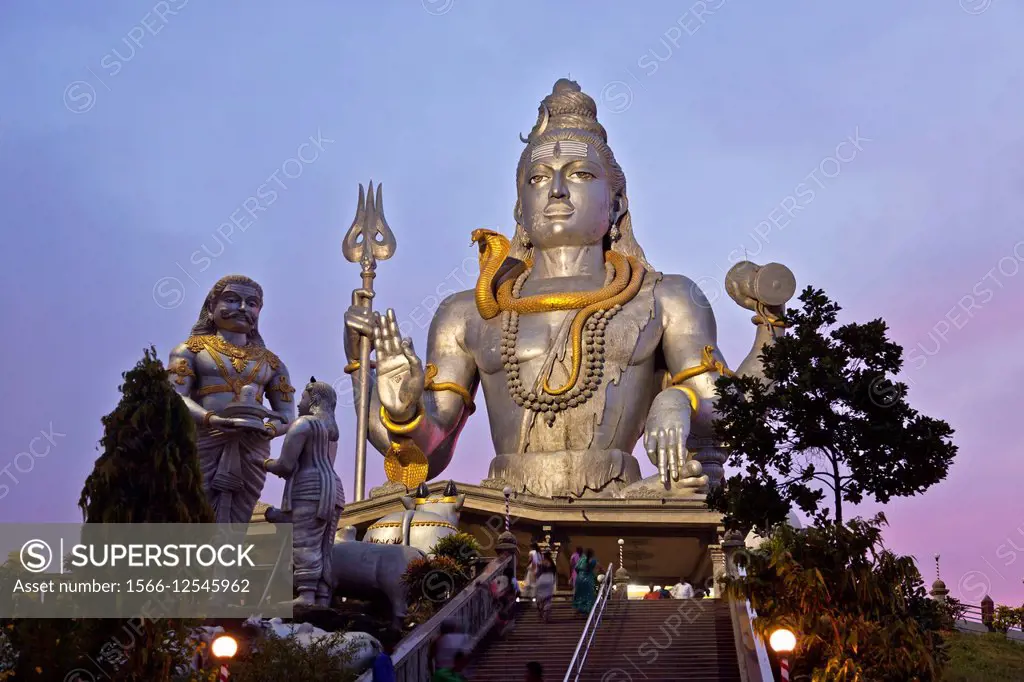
(430, 385)
(708, 363)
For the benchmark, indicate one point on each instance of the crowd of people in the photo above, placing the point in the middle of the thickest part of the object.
(681, 590)
(449, 651)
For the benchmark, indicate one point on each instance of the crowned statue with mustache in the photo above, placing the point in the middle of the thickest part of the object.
(224, 372)
(581, 348)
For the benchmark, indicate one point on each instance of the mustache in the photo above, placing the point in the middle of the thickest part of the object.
(234, 314)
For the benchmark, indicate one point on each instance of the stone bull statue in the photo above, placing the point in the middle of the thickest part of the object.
(425, 519)
(360, 568)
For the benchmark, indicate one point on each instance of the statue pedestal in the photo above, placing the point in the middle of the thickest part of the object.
(666, 537)
(651, 488)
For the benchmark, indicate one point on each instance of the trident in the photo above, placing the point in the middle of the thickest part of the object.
(367, 241)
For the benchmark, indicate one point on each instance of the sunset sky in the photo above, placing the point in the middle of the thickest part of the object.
(131, 132)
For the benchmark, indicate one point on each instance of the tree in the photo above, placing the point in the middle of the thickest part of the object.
(148, 472)
(860, 612)
(828, 427)
(149, 469)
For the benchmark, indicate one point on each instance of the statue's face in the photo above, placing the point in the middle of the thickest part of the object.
(305, 403)
(566, 199)
(237, 309)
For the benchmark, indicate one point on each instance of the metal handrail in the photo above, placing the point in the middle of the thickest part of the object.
(760, 650)
(579, 657)
(472, 609)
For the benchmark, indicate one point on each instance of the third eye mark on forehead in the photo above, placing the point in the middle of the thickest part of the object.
(560, 148)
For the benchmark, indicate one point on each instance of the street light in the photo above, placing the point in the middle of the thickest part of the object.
(224, 647)
(782, 642)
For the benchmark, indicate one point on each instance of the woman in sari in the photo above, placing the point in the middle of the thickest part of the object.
(586, 583)
(573, 560)
(532, 570)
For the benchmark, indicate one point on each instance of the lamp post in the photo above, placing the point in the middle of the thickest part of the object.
(224, 648)
(507, 492)
(507, 543)
(621, 577)
(783, 642)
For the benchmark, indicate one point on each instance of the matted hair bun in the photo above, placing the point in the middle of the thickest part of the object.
(566, 108)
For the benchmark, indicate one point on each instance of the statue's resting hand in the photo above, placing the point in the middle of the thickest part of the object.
(665, 434)
(399, 371)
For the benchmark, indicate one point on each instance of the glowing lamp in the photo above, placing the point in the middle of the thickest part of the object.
(782, 641)
(224, 646)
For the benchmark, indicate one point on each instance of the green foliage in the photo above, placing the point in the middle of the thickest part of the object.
(860, 612)
(952, 610)
(1006, 618)
(433, 581)
(39, 650)
(284, 658)
(833, 427)
(986, 657)
(148, 472)
(149, 469)
(462, 548)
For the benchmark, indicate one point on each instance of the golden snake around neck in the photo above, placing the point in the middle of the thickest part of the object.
(494, 250)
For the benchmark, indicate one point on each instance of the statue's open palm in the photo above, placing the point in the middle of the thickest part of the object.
(399, 371)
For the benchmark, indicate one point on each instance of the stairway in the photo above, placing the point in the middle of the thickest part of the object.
(664, 640)
(638, 641)
(552, 644)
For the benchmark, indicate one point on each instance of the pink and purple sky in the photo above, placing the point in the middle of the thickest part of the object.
(131, 132)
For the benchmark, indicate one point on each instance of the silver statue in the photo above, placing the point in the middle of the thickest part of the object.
(362, 569)
(425, 519)
(223, 372)
(313, 496)
(580, 345)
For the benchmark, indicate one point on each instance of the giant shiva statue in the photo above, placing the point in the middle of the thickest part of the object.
(580, 345)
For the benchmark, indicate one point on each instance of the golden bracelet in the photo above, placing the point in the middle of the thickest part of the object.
(270, 427)
(266, 463)
(401, 428)
(694, 400)
(206, 418)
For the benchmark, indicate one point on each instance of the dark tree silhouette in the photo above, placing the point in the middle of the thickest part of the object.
(148, 471)
(830, 426)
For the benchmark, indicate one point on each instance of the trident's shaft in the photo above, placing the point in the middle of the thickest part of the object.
(367, 241)
(363, 417)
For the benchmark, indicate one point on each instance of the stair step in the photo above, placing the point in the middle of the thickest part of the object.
(695, 636)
